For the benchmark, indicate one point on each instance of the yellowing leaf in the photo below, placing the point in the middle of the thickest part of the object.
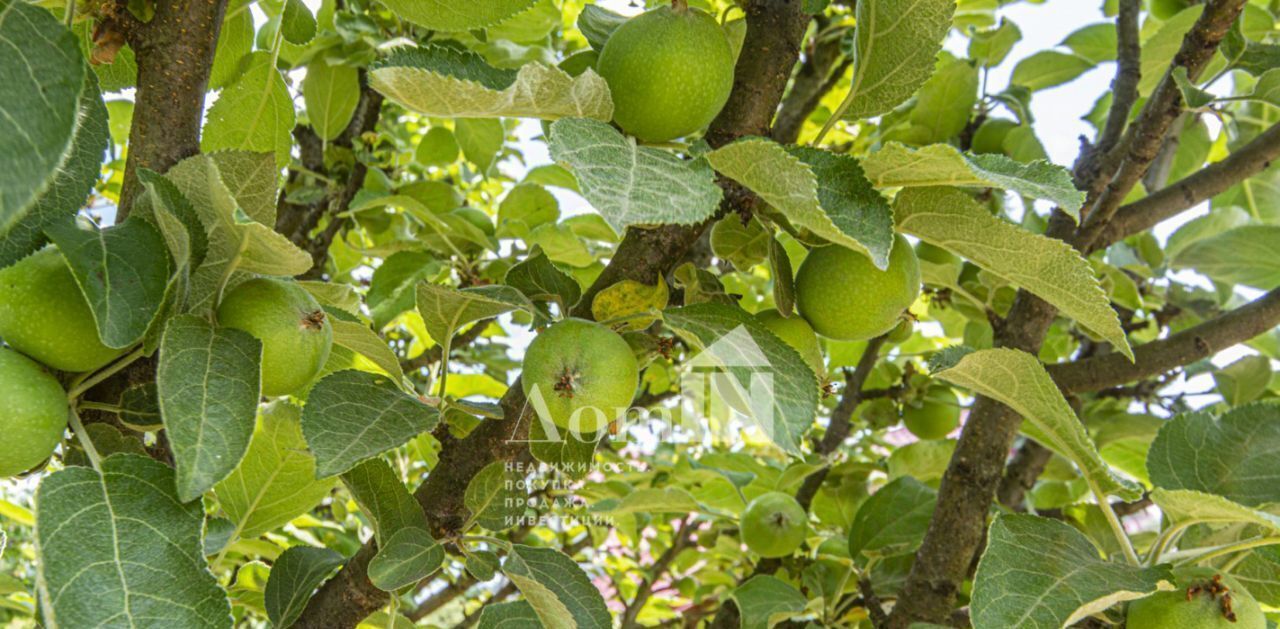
(629, 298)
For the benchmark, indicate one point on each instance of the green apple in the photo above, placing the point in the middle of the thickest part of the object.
(1197, 604)
(797, 333)
(33, 413)
(44, 315)
(774, 525)
(936, 416)
(845, 297)
(295, 331)
(584, 373)
(670, 71)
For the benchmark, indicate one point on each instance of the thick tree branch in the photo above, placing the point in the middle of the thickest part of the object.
(1184, 194)
(1185, 347)
(969, 484)
(1134, 154)
(773, 26)
(823, 65)
(174, 52)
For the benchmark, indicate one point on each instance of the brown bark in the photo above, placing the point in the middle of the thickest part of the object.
(175, 54)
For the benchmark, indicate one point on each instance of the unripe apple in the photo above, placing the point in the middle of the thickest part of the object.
(797, 333)
(670, 71)
(295, 331)
(845, 297)
(774, 525)
(44, 315)
(585, 373)
(33, 413)
(1198, 603)
(936, 416)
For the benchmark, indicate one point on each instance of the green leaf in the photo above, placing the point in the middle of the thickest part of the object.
(784, 288)
(1095, 42)
(252, 179)
(765, 600)
(842, 209)
(1244, 255)
(447, 82)
(1046, 267)
(743, 246)
(409, 556)
(1192, 96)
(1159, 49)
(296, 574)
(493, 497)
(990, 47)
(240, 243)
(357, 337)
(570, 454)
(480, 140)
(1049, 68)
(297, 24)
(384, 498)
(945, 103)
(893, 520)
(756, 362)
(254, 114)
(437, 148)
(1018, 380)
(894, 45)
(331, 93)
(235, 42)
(633, 185)
(1039, 573)
(1244, 380)
(276, 480)
(445, 309)
(449, 15)
(896, 166)
(558, 590)
(598, 23)
(393, 288)
(540, 280)
(482, 565)
(1187, 505)
(653, 500)
(70, 185)
(353, 415)
(1267, 89)
(1231, 456)
(513, 614)
(40, 104)
(208, 380)
(120, 548)
(123, 272)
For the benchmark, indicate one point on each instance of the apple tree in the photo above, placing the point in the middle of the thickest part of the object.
(702, 313)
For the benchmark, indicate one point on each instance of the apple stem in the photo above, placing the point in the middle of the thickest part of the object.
(680, 5)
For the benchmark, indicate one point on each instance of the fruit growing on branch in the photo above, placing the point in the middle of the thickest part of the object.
(1204, 599)
(845, 297)
(797, 333)
(33, 413)
(584, 372)
(295, 331)
(774, 525)
(670, 71)
(935, 416)
(44, 315)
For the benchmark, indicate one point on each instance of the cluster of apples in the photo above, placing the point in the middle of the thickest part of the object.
(49, 332)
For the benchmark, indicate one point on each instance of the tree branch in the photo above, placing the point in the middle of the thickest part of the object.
(1124, 88)
(1204, 184)
(822, 68)
(1134, 154)
(773, 26)
(969, 484)
(174, 52)
(1185, 347)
